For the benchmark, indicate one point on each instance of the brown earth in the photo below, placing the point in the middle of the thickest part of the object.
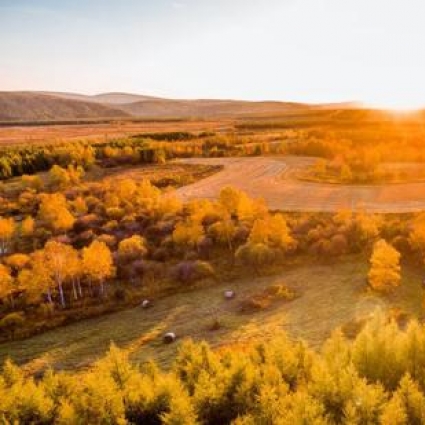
(274, 179)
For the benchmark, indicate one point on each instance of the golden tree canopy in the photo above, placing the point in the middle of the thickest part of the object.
(384, 273)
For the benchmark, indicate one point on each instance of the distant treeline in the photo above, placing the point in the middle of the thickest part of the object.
(173, 135)
(19, 160)
(83, 121)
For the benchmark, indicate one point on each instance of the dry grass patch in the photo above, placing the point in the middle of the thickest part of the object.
(332, 295)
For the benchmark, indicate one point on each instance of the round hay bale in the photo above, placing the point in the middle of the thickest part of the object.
(146, 304)
(229, 294)
(169, 338)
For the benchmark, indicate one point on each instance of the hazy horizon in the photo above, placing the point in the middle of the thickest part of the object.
(311, 51)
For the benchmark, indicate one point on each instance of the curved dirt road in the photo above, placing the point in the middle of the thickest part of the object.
(273, 179)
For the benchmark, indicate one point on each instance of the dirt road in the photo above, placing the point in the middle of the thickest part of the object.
(274, 179)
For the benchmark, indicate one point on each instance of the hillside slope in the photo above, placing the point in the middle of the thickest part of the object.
(26, 106)
(113, 98)
(44, 106)
(204, 108)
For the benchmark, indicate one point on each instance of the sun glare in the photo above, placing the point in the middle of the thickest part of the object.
(398, 105)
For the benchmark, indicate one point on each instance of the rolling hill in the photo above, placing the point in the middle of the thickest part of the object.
(51, 106)
(203, 108)
(27, 106)
(154, 107)
(115, 98)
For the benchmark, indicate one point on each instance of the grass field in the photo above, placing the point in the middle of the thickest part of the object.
(331, 296)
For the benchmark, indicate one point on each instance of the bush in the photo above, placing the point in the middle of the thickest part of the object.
(280, 291)
(256, 255)
(266, 298)
(255, 303)
(120, 294)
(11, 323)
(191, 271)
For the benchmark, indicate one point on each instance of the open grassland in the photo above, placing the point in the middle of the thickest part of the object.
(330, 296)
(275, 180)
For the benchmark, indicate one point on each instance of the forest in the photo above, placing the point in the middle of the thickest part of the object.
(76, 245)
(375, 379)
(81, 237)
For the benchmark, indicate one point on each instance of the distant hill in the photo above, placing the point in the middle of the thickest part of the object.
(109, 98)
(204, 108)
(30, 106)
(122, 98)
(149, 106)
(45, 106)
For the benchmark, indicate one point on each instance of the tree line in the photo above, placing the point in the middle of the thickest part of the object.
(378, 378)
(139, 149)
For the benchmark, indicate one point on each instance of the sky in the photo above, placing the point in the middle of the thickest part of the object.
(293, 50)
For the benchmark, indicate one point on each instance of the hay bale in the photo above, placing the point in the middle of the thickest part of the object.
(146, 304)
(169, 338)
(229, 294)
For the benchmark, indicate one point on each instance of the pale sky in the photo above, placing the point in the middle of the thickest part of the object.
(292, 50)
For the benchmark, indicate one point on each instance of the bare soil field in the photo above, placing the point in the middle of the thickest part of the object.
(98, 132)
(274, 179)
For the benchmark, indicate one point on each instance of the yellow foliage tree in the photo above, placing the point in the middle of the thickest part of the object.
(80, 205)
(27, 227)
(384, 273)
(32, 182)
(168, 205)
(37, 278)
(188, 234)
(17, 261)
(229, 199)
(6, 284)
(279, 232)
(58, 257)
(98, 263)
(7, 230)
(54, 212)
(224, 231)
(61, 178)
(272, 231)
(417, 234)
(132, 247)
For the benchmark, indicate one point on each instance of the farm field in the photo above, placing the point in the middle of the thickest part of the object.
(311, 317)
(100, 132)
(274, 179)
